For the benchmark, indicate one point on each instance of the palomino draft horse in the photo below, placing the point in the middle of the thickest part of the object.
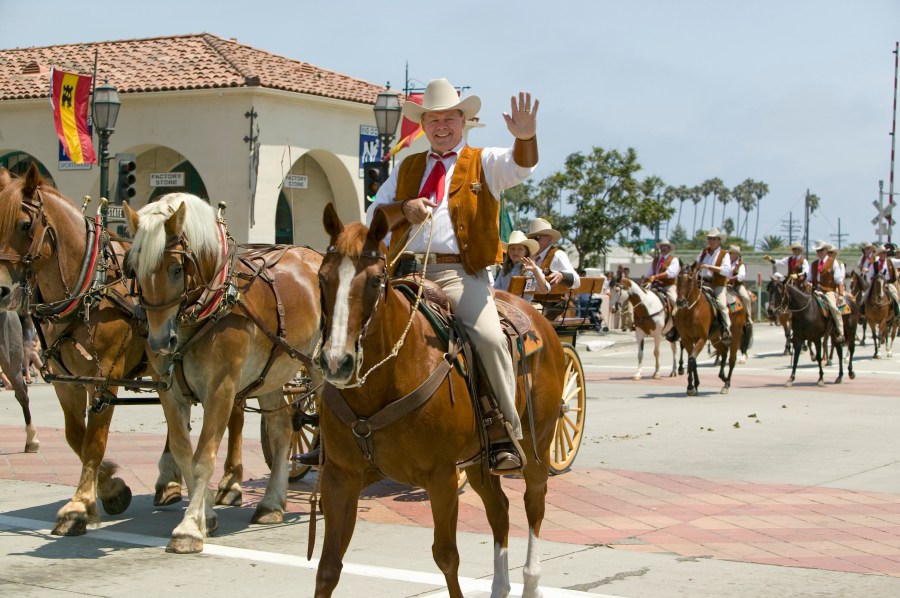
(223, 327)
(695, 321)
(880, 316)
(650, 319)
(377, 351)
(12, 359)
(810, 323)
(65, 269)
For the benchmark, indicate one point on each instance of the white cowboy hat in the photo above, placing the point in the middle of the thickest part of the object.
(821, 245)
(868, 245)
(778, 276)
(539, 226)
(715, 232)
(735, 249)
(881, 249)
(441, 95)
(665, 243)
(517, 237)
(796, 245)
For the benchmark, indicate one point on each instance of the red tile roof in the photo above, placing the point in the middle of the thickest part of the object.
(197, 61)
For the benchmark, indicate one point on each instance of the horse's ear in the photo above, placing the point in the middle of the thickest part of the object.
(332, 222)
(131, 217)
(33, 179)
(175, 223)
(380, 226)
(5, 177)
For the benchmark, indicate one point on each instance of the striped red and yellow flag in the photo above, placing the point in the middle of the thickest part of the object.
(70, 96)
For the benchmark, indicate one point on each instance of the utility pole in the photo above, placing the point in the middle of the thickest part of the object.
(893, 145)
(791, 227)
(806, 226)
(839, 236)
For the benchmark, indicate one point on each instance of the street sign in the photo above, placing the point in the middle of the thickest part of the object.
(115, 213)
(296, 181)
(167, 179)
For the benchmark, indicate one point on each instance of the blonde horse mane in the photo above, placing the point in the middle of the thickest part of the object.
(150, 239)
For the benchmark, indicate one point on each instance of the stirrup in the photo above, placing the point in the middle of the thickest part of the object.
(506, 456)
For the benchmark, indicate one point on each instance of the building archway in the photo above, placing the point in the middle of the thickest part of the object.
(18, 162)
(284, 222)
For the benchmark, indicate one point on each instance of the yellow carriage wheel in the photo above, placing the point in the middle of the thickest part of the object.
(570, 425)
(305, 435)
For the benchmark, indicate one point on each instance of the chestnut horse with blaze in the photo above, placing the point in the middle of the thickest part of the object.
(365, 318)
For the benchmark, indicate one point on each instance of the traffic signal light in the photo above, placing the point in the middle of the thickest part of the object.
(125, 188)
(374, 175)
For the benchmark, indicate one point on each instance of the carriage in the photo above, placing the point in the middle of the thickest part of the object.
(569, 315)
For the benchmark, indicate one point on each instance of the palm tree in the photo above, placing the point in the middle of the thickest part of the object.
(742, 193)
(713, 187)
(760, 190)
(695, 194)
(772, 243)
(724, 198)
(682, 194)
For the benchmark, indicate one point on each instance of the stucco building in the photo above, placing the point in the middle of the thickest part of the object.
(203, 106)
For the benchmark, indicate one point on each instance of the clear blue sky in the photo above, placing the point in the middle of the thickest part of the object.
(796, 93)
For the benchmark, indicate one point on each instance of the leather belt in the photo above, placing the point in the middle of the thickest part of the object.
(439, 258)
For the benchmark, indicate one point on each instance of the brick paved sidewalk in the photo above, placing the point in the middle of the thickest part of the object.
(787, 525)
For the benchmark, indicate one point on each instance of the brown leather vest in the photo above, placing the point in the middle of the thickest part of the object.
(795, 266)
(659, 269)
(545, 265)
(823, 278)
(734, 268)
(475, 213)
(718, 278)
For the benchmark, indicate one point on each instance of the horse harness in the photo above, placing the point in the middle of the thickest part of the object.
(202, 305)
(94, 284)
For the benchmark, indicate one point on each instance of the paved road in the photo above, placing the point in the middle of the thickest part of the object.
(764, 491)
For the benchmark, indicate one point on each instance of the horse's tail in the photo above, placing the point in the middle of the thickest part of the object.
(747, 337)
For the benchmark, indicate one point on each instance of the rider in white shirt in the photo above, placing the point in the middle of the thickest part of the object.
(716, 265)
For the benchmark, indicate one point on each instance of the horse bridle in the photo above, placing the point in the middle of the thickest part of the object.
(682, 302)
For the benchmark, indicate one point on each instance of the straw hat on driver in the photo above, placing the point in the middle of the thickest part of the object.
(821, 246)
(539, 226)
(716, 233)
(797, 245)
(441, 95)
(735, 249)
(517, 237)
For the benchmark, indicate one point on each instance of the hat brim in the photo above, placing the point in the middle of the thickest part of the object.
(468, 106)
(530, 244)
(555, 234)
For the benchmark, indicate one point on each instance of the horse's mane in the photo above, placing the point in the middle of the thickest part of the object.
(10, 200)
(150, 239)
(352, 239)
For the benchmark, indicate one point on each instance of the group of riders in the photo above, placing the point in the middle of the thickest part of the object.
(827, 275)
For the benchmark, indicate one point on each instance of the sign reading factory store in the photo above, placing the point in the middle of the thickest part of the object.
(167, 179)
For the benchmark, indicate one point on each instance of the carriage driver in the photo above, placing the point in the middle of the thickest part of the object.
(884, 265)
(736, 280)
(553, 261)
(797, 266)
(465, 237)
(715, 266)
(826, 278)
(664, 271)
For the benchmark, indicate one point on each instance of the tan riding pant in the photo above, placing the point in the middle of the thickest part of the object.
(835, 314)
(671, 292)
(473, 306)
(722, 304)
(744, 294)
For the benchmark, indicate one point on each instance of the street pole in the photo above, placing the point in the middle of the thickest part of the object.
(893, 145)
(806, 226)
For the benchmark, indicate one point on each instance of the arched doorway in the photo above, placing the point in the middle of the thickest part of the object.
(284, 222)
(18, 162)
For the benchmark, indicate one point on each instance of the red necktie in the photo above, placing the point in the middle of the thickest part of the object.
(435, 183)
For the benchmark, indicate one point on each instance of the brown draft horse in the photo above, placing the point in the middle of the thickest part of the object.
(88, 330)
(880, 316)
(224, 327)
(694, 321)
(377, 350)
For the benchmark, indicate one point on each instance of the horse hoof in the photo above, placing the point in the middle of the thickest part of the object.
(820, 383)
(673, 374)
(742, 360)
(32, 447)
(231, 497)
(724, 391)
(185, 545)
(692, 392)
(681, 371)
(636, 377)
(169, 495)
(656, 376)
(212, 524)
(116, 504)
(789, 383)
(70, 527)
(839, 379)
(266, 516)
(890, 353)
(852, 375)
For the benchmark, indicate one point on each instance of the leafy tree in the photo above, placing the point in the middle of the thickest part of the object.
(609, 201)
(679, 236)
(728, 226)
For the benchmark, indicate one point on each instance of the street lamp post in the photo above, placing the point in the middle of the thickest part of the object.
(387, 117)
(105, 112)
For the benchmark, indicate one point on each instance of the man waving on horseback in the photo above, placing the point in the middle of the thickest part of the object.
(715, 267)
(884, 266)
(458, 186)
(797, 266)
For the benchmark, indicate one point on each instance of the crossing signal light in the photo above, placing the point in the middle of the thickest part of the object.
(125, 188)
(374, 175)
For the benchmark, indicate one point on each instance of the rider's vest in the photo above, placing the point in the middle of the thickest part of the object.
(660, 265)
(474, 211)
(823, 275)
(864, 262)
(718, 279)
(545, 265)
(890, 274)
(735, 266)
(795, 265)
